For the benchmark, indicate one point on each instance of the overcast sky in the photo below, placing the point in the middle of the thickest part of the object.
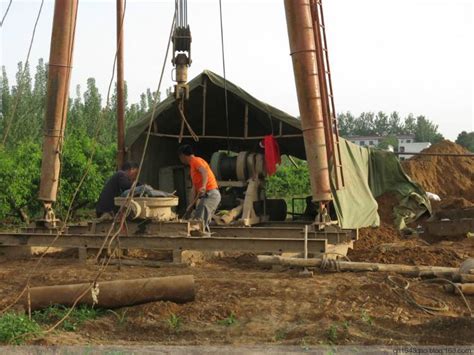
(411, 56)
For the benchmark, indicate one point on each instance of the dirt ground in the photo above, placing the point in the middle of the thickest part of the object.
(280, 306)
(270, 306)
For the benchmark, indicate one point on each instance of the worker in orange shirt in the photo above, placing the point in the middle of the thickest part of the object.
(205, 190)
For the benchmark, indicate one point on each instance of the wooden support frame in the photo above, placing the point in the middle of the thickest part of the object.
(204, 101)
(165, 135)
(246, 121)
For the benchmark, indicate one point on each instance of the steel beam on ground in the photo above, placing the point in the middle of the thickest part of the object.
(252, 245)
(280, 233)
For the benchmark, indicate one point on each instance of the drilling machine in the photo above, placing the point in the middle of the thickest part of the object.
(306, 30)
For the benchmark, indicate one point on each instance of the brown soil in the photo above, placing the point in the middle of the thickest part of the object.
(386, 204)
(451, 203)
(270, 307)
(445, 176)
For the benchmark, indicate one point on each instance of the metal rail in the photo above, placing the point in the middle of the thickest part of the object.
(94, 241)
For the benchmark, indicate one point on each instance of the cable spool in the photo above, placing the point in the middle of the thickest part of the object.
(241, 168)
(251, 167)
(260, 165)
(216, 161)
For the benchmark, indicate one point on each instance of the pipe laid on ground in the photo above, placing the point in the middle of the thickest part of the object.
(466, 289)
(362, 266)
(114, 294)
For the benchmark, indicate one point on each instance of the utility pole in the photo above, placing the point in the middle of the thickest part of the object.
(60, 65)
(120, 87)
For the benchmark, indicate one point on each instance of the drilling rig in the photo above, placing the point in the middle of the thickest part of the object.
(308, 45)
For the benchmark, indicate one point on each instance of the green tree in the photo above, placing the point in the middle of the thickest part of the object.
(19, 178)
(427, 131)
(5, 98)
(466, 140)
(390, 140)
(92, 107)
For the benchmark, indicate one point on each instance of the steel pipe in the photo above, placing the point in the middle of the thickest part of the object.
(60, 61)
(114, 294)
(303, 52)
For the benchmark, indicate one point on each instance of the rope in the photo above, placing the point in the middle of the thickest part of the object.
(6, 13)
(400, 286)
(225, 78)
(328, 264)
(77, 190)
(20, 83)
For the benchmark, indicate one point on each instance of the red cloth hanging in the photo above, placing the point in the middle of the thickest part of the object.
(272, 154)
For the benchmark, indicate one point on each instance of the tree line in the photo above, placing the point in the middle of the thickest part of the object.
(91, 128)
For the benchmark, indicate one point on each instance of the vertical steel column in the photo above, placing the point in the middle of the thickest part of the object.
(120, 88)
(60, 61)
(303, 52)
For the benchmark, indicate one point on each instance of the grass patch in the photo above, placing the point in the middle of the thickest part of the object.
(15, 329)
(365, 317)
(230, 320)
(281, 334)
(79, 315)
(332, 333)
(174, 322)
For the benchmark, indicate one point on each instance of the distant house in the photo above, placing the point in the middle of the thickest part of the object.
(412, 147)
(373, 141)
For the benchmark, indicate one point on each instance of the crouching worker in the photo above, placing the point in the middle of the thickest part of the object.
(119, 182)
(205, 190)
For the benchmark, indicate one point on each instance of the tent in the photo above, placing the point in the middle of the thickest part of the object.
(368, 172)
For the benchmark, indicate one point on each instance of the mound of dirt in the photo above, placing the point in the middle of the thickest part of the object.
(386, 245)
(386, 204)
(445, 176)
(451, 203)
(409, 255)
(372, 237)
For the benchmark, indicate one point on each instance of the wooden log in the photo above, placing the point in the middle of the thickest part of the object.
(114, 294)
(467, 289)
(411, 270)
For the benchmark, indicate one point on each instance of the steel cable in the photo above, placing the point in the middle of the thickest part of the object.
(225, 77)
(22, 76)
(6, 13)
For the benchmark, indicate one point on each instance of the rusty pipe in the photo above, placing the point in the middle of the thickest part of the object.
(60, 61)
(303, 53)
(114, 294)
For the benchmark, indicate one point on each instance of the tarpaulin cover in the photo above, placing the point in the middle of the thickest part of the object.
(368, 172)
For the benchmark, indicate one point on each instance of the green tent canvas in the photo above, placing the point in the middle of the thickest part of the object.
(368, 172)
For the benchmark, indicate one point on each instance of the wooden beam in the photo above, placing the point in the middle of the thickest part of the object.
(246, 121)
(204, 96)
(164, 135)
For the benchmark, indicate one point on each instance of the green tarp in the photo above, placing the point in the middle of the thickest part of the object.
(368, 172)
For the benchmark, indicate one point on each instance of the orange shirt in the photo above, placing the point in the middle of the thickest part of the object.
(196, 177)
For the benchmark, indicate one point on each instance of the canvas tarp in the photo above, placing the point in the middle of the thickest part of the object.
(368, 172)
